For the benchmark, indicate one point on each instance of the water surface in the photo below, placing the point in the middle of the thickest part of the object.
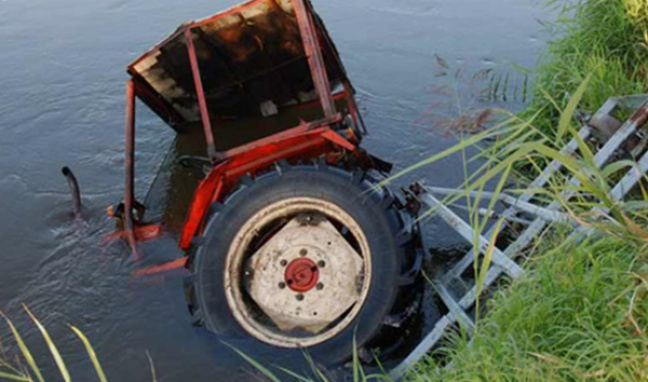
(62, 101)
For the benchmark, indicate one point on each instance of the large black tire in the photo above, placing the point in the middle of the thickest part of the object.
(392, 247)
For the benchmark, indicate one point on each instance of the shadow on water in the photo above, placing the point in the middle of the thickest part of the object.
(62, 101)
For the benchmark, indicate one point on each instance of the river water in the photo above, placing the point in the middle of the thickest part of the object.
(62, 102)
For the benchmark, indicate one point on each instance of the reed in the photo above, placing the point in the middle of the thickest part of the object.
(23, 366)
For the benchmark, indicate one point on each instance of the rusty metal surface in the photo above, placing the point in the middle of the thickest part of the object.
(309, 308)
(200, 93)
(129, 165)
(252, 60)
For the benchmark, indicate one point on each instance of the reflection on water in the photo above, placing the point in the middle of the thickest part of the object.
(61, 103)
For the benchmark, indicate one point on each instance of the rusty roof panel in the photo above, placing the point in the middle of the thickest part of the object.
(251, 59)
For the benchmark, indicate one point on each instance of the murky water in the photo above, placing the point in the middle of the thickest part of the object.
(61, 103)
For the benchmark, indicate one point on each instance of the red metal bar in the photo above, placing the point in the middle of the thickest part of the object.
(170, 266)
(337, 139)
(129, 163)
(313, 51)
(142, 234)
(200, 92)
(309, 144)
(353, 106)
(287, 134)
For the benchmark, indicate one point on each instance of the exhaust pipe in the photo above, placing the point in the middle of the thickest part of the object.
(74, 190)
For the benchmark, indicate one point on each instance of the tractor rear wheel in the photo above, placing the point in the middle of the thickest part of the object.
(303, 257)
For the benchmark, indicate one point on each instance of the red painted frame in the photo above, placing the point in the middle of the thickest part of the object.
(306, 141)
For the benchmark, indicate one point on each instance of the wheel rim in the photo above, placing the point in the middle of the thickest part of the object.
(298, 272)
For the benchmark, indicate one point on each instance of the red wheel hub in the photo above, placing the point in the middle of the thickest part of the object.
(302, 275)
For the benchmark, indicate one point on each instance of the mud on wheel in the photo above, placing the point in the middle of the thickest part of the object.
(305, 257)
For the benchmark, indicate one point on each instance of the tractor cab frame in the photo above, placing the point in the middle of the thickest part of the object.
(255, 60)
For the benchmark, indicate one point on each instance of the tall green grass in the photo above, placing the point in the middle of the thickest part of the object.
(604, 39)
(580, 315)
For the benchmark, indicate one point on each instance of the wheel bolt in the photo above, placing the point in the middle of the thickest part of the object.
(303, 252)
(321, 264)
(282, 285)
(284, 263)
(300, 297)
(320, 286)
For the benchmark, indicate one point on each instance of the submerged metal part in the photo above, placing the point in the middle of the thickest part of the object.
(75, 191)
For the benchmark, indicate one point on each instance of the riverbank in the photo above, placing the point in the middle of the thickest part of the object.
(581, 311)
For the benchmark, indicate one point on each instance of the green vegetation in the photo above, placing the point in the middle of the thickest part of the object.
(604, 39)
(23, 366)
(582, 314)
(280, 374)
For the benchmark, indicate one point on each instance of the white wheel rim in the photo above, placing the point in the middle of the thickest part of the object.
(282, 316)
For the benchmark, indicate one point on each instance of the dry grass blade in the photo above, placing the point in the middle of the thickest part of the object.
(51, 345)
(14, 377)
(153, 373)
(91, 354)
(24, 349)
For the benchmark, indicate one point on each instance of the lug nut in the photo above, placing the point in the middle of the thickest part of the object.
(284, 263)
(300, 297)
(282, 285)
(321, 264)
(303, 252)
(320, 286)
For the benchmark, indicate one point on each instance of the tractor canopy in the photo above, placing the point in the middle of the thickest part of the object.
(252, 64)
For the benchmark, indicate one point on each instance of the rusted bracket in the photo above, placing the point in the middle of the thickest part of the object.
(129, 163)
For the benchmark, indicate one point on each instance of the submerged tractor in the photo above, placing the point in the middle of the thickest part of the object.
(289, 237)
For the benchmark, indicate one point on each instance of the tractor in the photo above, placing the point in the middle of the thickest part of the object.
(291, 237)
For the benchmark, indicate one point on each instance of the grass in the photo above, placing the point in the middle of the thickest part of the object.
(23, 366)
(580, 315)
(278, 373)
(606, 40)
